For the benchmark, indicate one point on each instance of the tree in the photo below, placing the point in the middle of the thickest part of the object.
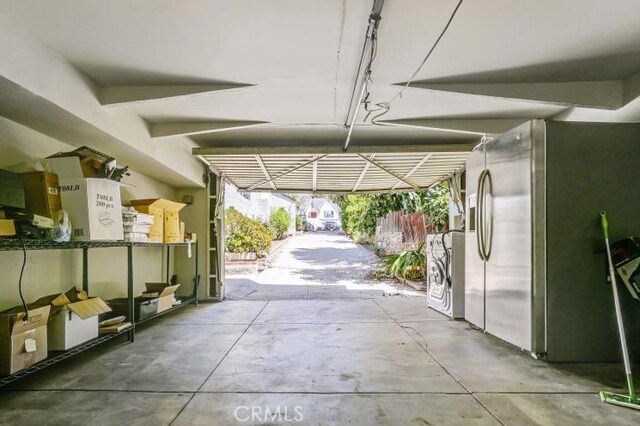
(279, 223)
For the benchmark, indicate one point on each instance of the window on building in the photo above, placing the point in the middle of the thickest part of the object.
(313, 215)
(246, 194)
(328, 214)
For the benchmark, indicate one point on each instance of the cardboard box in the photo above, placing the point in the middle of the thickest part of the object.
(7, 228)
(166, 218)
(94, 208)
(42, 194)
(73, 319)
(82, 162)
(22, 343)
(164, 292)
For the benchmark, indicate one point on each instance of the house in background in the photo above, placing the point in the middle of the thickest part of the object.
(319, 210)
(259, 205)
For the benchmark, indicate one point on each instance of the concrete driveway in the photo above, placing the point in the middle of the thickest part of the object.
(324, 265)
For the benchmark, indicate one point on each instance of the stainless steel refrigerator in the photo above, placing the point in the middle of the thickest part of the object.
(534, 266)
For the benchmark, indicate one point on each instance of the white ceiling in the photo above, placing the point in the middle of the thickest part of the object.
(300, 59)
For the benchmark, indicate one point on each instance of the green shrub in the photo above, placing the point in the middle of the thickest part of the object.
(410, 264)
(299, 223)
(245, 235)
(279, 222)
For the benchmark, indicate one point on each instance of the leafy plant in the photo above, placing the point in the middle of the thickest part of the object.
(359, 213)
(410, 264)
(245, 235)
(299, 223)
(279, 223)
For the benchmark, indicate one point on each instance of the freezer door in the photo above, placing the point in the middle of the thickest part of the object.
(474, 265)
(509, 222)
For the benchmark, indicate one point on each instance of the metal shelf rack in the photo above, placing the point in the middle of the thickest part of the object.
(55, 357)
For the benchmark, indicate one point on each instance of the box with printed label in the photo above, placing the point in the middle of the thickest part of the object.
(23, 339)
(41, 192)
(94, 208)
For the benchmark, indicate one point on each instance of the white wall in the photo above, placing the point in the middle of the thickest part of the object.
(259, 205)
(248, 207)
(196, 218)
(48, 272)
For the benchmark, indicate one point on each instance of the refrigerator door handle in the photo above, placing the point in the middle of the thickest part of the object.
(480, 216)
(487, 183)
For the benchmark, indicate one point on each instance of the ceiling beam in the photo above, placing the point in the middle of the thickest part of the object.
(608, 95)
(298, 167)
(122, 95)
(631, 86)
(384, 169)
(265, 171)
(334, 191)
(196, 127)
(474, 126)
(364, 172)
(353, 149)
(412, 171)
(314, 182)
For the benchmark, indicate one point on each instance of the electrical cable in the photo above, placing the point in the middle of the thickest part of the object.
(24, 262)
(386, 106)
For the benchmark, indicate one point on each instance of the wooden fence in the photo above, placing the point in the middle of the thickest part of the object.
(413, 226)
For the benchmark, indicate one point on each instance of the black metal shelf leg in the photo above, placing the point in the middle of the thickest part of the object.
(130, 309)
(168, 261)
(196, 280)
(85, 269)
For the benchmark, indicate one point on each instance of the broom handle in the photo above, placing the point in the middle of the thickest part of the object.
(616, 301)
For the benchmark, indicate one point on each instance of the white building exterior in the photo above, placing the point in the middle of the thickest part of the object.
(259, 205)
(318, 210)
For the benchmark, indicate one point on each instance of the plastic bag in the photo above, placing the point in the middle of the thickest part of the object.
(61, 231)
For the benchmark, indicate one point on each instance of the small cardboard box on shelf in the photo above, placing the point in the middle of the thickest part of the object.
(94, 208)
(7, 228)
(164, 292)
(23, 339)
(42, 194)
(73, 318)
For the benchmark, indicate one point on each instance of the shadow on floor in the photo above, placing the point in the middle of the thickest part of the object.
(248, 289)
(332, 256)
(333, 275)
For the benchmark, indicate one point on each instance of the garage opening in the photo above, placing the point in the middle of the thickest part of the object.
(316, 251)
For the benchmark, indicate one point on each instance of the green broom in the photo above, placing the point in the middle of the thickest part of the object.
(631, 400)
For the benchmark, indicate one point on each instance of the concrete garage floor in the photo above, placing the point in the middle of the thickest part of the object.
(323, 360)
